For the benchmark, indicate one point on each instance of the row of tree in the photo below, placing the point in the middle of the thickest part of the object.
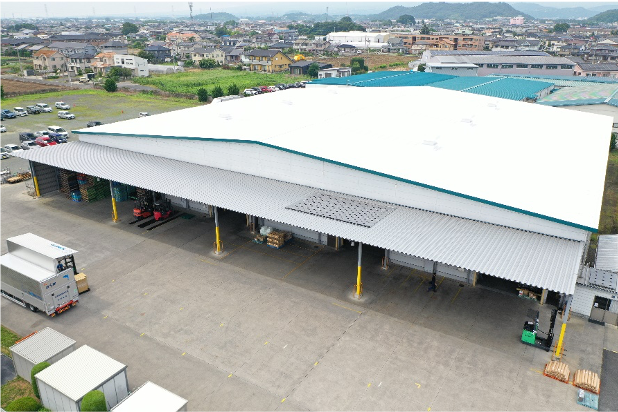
(217, 91)
(325, 27)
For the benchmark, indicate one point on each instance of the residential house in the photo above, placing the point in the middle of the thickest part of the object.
(596, 69)
(302, 66)
(346, 48)
(200, 53)
(68, 48)
(138, 65)
(442, 42)
(79, 61)
(335, 72)
(281, 45)
(270, 61)
(46, 60)
(234, 57)
(160, 53)
(114, 46)
(288, 36)
(102, 62)
(311, 45)
(182, 37)
(183, 50)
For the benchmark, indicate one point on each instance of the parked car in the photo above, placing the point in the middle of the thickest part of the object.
(63, 114)
(144, 114)
(2, 128)
(44, 141)
(273, 89)
(57, 138)
(44, 107)
(4, 154)
(25, 136)
(264, 89)
(33, 110)
(62, 105)
(281, 86)
(20, 111)
(7, 114)
(249, 92)
(12, 148)
(94, 123)
(41, 133)
(30, 144)
(258, 90)
(59, 130)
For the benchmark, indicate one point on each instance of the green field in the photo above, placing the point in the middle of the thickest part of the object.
(189, 82)
(8, 339)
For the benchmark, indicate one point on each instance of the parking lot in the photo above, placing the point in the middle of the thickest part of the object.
(86, 105)
(265, 329)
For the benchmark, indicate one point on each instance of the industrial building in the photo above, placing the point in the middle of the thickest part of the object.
(461, 186)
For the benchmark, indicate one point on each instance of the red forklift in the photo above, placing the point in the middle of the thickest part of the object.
(142, 209)
(162, 209)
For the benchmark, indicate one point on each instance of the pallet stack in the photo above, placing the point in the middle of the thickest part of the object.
(120, 192)
(557, 370)
(587, 380)
(92, 188)
(277, 239)
(68, 182)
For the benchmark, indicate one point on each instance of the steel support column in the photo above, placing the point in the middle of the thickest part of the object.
(359, 283)
(567, 309)
(114, 210)
(34, 179)
(218, 239)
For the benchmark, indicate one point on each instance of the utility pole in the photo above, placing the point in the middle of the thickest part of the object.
(191, 10)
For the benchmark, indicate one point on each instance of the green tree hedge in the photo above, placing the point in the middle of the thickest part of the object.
(233, 89)
(110, 85)
(36, 369)
(202, 94)
(23, 404)
(217, 92)
(94, 401)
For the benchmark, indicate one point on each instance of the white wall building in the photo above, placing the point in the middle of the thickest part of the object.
(517, 20)
(359, 39)
(335, 72)
(137, 64)
(455, 69)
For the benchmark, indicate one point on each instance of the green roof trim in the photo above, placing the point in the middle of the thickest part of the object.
(412, 182)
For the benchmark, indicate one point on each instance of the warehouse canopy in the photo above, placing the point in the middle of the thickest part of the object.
(518, 156)
(534, 259)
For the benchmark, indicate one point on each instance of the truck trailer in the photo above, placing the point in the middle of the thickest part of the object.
(39, 274)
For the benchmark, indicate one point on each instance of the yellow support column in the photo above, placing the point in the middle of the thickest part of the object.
(359, 283)
(217, 237)
(558, 352)
(36, 187)
(114, 210)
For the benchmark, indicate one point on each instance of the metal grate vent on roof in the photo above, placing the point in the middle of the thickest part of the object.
(344, 209)
(604, 278)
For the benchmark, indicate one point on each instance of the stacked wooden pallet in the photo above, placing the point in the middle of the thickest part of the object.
(68, 182)
(587, 380)
(93, 189)
(557, 370)
(19, 177)
(277, 239)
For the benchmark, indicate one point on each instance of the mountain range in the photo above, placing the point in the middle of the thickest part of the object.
(454, 11)
(551, 12)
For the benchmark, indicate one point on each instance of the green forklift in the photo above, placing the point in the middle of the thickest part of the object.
(530, 334)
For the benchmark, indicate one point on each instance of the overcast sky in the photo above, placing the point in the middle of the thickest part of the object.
(55, 8)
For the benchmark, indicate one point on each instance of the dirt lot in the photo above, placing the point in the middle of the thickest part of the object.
(14, 87)
(372, 60)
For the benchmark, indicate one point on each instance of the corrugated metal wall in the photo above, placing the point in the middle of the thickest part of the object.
(47, 177)
(425, 265)
(54, 400)
(583, 299)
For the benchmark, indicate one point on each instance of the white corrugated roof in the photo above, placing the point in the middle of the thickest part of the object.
(42, 345)
(530, 258)
(510, 154)
(80, 372)
(607, 253)
(152, 398)
(20, 265)
(42, 246)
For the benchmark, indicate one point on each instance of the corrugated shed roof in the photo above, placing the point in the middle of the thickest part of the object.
(150, 398)
(487, 53)
(607, 253)
(80, 372)
(462, 83)
(582, 94)
(534, 259)
(520, 60)
(599, 67)
(563, 81)
(512, 89)
(42, 345)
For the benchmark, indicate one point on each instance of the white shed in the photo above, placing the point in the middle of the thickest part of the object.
(63, 385)
(46, 345)
(153, 398)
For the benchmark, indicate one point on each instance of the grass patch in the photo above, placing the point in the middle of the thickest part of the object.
(17, 388)
(188, 82)
(8, 339)
(608, 224)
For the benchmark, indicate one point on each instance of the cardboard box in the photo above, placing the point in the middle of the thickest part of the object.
(82, 283)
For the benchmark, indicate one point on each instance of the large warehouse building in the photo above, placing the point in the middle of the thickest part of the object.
(446, 182)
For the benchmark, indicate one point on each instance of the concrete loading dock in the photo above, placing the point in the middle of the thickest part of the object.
(46, 345)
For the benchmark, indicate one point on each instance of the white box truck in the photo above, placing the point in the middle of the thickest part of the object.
(39, 274)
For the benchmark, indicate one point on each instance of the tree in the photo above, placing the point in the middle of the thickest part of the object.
(406, 19)
(117, 72)
(129, 28)
(23, 404)
(358, 65)
(146, 55)
(217, 92)
(221, 31)
(208, 63)
(192, 39)
(561, 27)
(230, 23)
(36, 369)
(425, 29)
(202, 95)
(110, 85)
(94, 401)
(612, 142)
(421, 67)
(233, 89)
(189, 63)
(2, 92)
(313, 69)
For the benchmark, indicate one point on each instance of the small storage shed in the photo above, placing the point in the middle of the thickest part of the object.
(63, 385)
(46, 345)
(153, 398)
